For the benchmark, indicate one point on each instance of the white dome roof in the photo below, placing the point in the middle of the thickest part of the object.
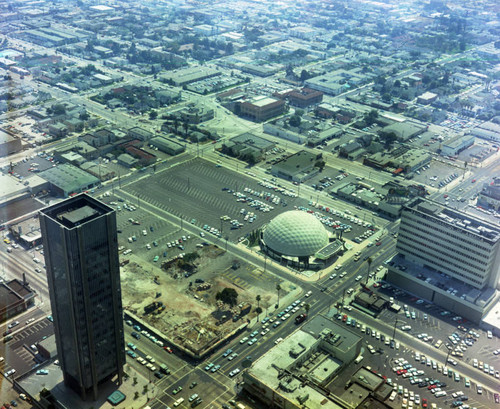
(295, 233)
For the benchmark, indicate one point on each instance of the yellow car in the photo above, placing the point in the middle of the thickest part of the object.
(6, 241)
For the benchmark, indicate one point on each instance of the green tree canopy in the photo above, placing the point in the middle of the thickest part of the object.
(295, 121)
(227, 296)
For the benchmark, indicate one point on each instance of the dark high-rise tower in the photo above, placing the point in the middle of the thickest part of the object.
(81, 254)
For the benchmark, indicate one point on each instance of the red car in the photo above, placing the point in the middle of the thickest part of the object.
(378, 243)
(168, 349)
(430, 387)
(344, 318)
(473, 181)
(424, 403)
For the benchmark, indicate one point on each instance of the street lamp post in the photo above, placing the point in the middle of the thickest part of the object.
(394, 331)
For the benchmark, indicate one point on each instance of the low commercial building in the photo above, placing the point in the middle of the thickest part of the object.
(298, 167)
(301, 98)
(27, 232)
(66, 180)
(9, 144)
(167, 145)
(489, 197)
(186, 76)
(139, 133)
(427, 98)
(195, 115)
(58, 130)
(248, 145)
(457, 144)
(127, 160)
(15, 297)
(403, 130)
(403, 159)
(295, 372)
(262, 108)
(487, 130)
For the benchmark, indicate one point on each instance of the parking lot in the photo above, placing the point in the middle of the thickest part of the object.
(215, 198)
(22, 356)
(414, 376)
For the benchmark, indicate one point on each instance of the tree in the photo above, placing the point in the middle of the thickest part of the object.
(84, 116)
(153, 114)
(145, 389)
(388, 138)
(186, 128)
(307, 307)
(371, 116)
(136, 395)
(369, 260)
(295, 120)
(258, 298)
(189, 257)
(135, 380)
(58, 109)
(320, 164)
(227, 296)
(278, 289)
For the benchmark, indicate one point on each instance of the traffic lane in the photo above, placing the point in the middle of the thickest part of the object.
(146, 347)
(209, 387)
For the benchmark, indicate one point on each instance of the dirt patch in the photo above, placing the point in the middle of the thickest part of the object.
(191, 316)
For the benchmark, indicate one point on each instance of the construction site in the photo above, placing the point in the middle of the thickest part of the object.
(182, 301)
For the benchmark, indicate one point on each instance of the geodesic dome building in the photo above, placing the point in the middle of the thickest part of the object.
(294, 235)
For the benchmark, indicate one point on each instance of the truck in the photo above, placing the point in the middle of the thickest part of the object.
(300, 318)
(164, 369)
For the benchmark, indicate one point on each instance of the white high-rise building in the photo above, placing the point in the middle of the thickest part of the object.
(448, 257)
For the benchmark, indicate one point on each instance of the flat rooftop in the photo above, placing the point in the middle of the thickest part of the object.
(262, 101)
(77, 210)
(464, 222)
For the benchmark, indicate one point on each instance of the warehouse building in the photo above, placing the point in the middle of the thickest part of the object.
(298, 167)
(66, 180)
(457, 144)
(167, 145)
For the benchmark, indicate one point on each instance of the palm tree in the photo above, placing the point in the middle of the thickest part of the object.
(307, 307)
(369, 260)
(278, 289)
(186, 128)
(258, 298)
